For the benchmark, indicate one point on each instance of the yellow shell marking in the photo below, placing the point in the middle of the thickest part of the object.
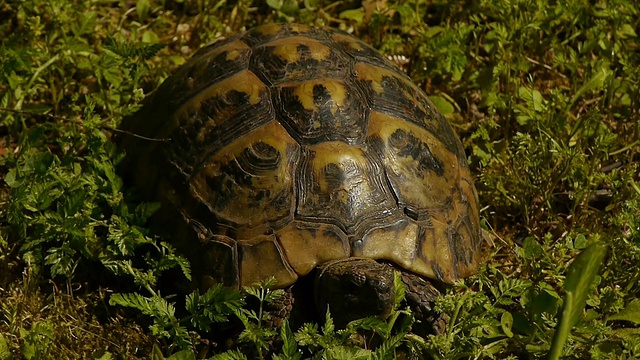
(304, 93)
(340, 38)
(287, 48)
(307, 246)
(272, 134)
(254, 268)
(298, 28)
(268, 30)
(233, 50)
(385, 243)
(274, 181)
(232, 55)
(424, 188)
(375, 75)
(335, 152)
(244, 82)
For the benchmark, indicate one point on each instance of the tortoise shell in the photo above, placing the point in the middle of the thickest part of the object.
(286, 146)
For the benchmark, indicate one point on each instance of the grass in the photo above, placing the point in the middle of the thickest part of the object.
(544, 97)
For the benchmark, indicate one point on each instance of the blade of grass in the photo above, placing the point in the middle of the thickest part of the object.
(579, 279)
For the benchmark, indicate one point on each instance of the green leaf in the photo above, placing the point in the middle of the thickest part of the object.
(328, 327)
(103, 355)
(177, 59)
(149, 51)
(289, 346)
(442, 104)
(340, 352)
(142, 8)
(186, 354)
(275, 4)
(595, 82)
(36, 342)
(399, 290)
(627, 333)
(150, 37)
(12, 178)
(311, 4)
(156, 353)
(356, 15)
(532, 248)
(290, 7)
(433, 31)
(506, 322)
(387, 349)
(5, 353)
(214, 306)
(308, 335)
(577, 286)
(532, 97)
(630, 313)
(229, 355)
(545, 300)
(369, 323)
(145, 210)
(627, 31)
(580, 242)
(133, 300)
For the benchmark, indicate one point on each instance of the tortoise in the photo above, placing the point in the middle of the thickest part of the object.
(289, 150)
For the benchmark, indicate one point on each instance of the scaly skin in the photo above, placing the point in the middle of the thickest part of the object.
(359, 287)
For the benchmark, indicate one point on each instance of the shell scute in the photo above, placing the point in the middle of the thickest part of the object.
(215, 117)
(249, 182)
(322, 110)
(341, 185)
(307, 244)
(252, 264)
(390, 92)
(206, 68)
(217, 258)
(362, 52)
(296, 59)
